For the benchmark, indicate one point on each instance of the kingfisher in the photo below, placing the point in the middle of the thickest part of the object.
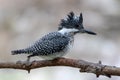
(56, 44)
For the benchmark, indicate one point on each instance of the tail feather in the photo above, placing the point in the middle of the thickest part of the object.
(18, 52)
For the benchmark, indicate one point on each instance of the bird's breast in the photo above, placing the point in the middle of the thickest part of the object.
(70, 44)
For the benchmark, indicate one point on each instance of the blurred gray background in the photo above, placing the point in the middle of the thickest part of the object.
(24, 21)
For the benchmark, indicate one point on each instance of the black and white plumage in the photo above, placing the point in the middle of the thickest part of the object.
(49, 46)
(56, 44)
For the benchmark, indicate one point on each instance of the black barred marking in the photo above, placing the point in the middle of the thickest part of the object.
(49, 44)
(18, 52)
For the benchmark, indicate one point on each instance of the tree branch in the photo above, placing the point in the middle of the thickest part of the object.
(96, 68)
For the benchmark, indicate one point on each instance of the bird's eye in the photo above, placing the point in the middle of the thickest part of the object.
(59, 28)
(76, 25)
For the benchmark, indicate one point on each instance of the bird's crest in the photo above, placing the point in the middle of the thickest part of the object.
(71, 20)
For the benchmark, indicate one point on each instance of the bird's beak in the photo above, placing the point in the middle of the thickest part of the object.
(88, 32)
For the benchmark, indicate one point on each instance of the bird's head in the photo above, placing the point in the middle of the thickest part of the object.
(73, 24)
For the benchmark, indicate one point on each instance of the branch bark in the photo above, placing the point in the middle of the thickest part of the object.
(89, 67)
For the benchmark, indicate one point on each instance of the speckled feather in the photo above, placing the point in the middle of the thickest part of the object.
(51, 43)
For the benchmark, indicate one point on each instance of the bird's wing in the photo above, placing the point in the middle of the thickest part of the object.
(49, 44)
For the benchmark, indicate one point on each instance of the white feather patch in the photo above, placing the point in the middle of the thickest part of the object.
(67, 30)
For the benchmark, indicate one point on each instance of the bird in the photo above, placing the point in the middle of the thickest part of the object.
(56, 44)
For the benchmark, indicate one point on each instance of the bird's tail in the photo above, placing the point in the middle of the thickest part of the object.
(14, 52)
